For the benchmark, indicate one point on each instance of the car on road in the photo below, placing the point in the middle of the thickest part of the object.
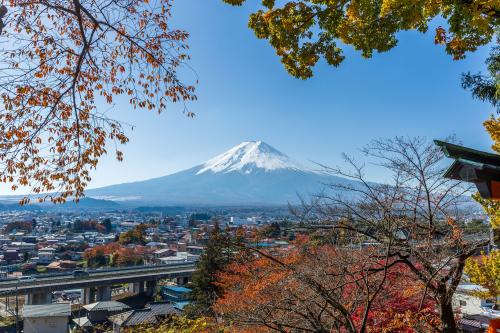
(80, 273)
(26, 278)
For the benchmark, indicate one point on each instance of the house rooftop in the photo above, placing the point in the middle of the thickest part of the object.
(178, 289)
(47, 310)
(83, 322)
(106, 306)
(156, 244)
(470, 288)
(180, 305)
(149, 315)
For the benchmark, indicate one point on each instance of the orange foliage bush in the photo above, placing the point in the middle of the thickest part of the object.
(323, 289)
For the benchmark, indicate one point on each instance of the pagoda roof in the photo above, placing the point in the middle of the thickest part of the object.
(471, 165)
(460, 152)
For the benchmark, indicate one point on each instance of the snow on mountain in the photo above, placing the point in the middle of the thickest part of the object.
(251, 173)
(249, 156)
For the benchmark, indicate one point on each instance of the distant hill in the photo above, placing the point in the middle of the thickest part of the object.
(83, 204)
(10, 206)
(167, 210)
(86, 204)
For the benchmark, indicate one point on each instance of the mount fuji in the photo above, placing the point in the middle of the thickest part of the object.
(251, 173)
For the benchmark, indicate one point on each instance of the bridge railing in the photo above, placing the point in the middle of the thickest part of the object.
(106, 270)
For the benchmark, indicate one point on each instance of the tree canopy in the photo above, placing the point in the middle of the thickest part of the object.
(136, 236)
(485, 271)
(61, 63)
(415, 216)
(486, 87)
(174, 324)
(303, 31)
(324, 289)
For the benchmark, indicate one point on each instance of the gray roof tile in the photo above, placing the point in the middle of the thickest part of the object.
(47, 310)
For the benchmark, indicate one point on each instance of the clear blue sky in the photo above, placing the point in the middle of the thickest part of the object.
(245, 94)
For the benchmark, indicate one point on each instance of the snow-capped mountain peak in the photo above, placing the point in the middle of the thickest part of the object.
(251, 173)
(248, 157)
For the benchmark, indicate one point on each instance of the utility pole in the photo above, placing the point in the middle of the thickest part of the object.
(17, 308)
(3, 12)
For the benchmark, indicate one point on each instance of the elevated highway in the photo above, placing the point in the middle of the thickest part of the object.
(97, 284)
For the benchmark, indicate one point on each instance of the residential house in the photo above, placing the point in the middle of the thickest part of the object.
(163, 253)
(153, 313)
(29, 239)
(197, 250)
(24, 247)
(476, 312)
(106, 239)
(11, 255)
(465, 300)
(99, 312)
(177, 295)
(46, 255)
(180, 257)
(5, 241)
(62, 265)
(47, 318)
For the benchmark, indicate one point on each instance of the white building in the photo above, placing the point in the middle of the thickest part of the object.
(46, 255)
(180, 258)
(467, 303)
(104, 239)
(23, 246)
(46, 318)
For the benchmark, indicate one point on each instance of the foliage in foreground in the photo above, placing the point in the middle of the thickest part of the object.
(485, 271)
(487, 88)
(302, 32)
(324, 289)
(60, 60)
(408, 230)
(174, 325)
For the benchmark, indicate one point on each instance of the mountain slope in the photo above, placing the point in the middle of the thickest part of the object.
(250, 173)
(250, 156)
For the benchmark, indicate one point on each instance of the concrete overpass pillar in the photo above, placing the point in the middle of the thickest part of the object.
(88, 295)
(103, 293)
(182, 280)
(151, 288)
(136, 287)
(38, 298)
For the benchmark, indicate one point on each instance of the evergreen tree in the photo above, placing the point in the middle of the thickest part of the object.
(486, 87)
(218, 253)
(272, 230)
(107, 224)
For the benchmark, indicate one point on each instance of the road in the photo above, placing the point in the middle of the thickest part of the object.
(53, 282)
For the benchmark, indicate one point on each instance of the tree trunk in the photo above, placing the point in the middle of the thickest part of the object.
(447, 316)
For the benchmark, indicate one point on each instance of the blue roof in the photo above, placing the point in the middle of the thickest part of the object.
(180, 305)
(178, 289)
(262, 244)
